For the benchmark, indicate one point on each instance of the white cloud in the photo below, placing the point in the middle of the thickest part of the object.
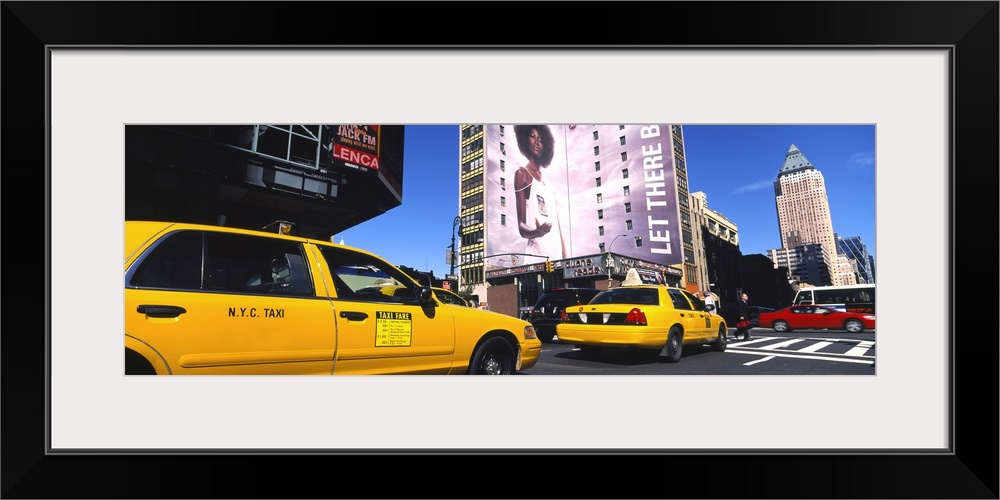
(757, 186)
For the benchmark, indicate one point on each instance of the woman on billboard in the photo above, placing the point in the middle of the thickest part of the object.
(537, 209)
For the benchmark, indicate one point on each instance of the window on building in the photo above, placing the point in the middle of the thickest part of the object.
(600, 230)
(628, 207)
(595, 135)
(602, 247)
(628, 224)
(503, 166)
(599, 197)
(624, 156)
(621, 127)
(626, 190)
(600, 214)
(597, 150)
(503, 183)
(503, 149)
(503, 201)
(598, 181)
(622, 140)
(638, 241)
(624, 173)
(597, 165)
(501, 129)
(503, 219)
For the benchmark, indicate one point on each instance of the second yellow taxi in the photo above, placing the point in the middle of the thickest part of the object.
(647, 316)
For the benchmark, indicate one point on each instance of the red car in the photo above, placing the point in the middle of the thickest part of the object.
(810, 316)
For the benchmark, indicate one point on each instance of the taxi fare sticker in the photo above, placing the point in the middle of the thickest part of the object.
(393, 329)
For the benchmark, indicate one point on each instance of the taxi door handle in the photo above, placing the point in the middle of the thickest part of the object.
(160, 311)
(353, 316)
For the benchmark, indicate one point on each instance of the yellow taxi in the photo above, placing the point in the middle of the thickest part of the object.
(646, 316)
(203, 299)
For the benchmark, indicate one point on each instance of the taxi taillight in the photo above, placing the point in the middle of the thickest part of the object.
(636, 317)
(562, 317)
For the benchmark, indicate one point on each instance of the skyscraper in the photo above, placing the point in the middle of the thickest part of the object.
(804, 210)
(856, 250)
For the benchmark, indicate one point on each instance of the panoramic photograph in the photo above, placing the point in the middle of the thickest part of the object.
(499, 249)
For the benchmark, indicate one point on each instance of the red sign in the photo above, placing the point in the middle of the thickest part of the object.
(446, 285)
(354, 156)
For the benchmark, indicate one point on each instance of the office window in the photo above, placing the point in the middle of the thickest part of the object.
(602, 247)
(503, 166)
(600, 214)
(503, 201)
(503, 149)
(598, 181)
(595, 135)
(597, 150)
(638, 241)
(599, 198)
(624, 173)
(600, 230)
(503, 183)
(626, 190)
(622, 140)
(621, 127)
(503, 219)
(597, 165)
(628, 224)
(628, 207)
(501, 129)
(624, 156)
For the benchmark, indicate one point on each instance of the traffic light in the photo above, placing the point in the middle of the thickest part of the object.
(549, 266)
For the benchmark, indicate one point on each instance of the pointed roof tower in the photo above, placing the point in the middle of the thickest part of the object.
(795, 161)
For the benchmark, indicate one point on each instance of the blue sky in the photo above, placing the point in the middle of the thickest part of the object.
(734, 165)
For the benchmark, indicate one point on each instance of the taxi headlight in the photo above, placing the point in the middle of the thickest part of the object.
(529, 332)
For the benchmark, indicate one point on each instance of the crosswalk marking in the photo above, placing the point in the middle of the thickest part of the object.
(779, 345)
(815, 347)
(860, 349)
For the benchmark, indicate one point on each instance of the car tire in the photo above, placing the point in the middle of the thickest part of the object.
(720, 340)
(494, 357)
(780, 326)
(544, 337)
(674, 347)
(854, 326)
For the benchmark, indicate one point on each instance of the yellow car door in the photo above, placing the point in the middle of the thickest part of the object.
(382, 329)
(696, 324)
(206, 302)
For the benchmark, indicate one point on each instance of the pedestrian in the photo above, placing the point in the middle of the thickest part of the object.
(743, 325)
(535, 200)
(709, 300)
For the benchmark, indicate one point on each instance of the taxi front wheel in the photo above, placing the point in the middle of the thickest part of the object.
(493, 357)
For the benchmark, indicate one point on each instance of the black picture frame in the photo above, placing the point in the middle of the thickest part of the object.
(971, 471)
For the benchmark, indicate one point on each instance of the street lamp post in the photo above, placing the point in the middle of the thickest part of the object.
(454, 225)
(611, 261)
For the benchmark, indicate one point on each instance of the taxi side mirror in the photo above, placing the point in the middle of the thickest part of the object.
(425, 295)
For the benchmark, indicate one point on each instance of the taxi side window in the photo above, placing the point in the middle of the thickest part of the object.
(362, 278)
(699, 305)
(681, 303)
(229, 263)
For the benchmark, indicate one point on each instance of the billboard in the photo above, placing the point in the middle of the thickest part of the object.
(375, 149)
(560, 192)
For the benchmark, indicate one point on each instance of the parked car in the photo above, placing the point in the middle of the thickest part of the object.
(205, 300)
(816, 317)
(644, 316)
(548, 309)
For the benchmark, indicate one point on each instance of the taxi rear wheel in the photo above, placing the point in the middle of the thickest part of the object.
(674, 347)
(493, 357)
(720, 339)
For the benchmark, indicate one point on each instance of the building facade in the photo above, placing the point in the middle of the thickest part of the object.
(857, 251)
(617, 195)
(804, 211)
(806, 263)
(717, 251)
